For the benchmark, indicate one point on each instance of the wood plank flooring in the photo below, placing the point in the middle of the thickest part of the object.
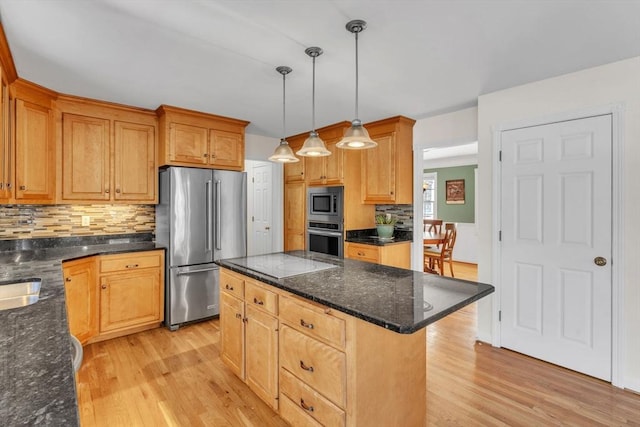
(163, 378)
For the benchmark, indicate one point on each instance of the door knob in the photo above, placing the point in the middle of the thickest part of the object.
(267, 228)
(600, 261)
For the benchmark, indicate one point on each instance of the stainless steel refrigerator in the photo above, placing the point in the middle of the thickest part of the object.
(200, 218)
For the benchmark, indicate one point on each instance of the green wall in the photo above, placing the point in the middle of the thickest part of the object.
(456, 213)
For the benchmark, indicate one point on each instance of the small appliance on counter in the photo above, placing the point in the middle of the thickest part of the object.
(201, 218)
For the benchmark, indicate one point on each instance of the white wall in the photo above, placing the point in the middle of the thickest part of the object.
(259, 147)
(618, 82)
(445, 130)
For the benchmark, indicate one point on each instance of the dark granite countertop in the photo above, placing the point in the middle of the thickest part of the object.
(402, 301)
(369, 236)
(37, 384)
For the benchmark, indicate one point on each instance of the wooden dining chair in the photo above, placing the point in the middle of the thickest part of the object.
(432, 226)
(439, 256)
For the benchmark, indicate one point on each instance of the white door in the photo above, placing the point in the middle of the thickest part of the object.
(262, 208)
(555, 222)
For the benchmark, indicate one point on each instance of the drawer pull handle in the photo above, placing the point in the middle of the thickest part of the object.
(238, 316)
(68, 279)
(132, 265)
(305, 406)
(361, 253)
(257, 301)
(305, 367)
(228, 287)
(305, 324)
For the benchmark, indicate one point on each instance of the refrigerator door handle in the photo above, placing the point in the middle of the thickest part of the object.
(202, 270)
(209, 221)
(218, 212)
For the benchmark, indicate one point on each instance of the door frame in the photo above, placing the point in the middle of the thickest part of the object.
(618, 342)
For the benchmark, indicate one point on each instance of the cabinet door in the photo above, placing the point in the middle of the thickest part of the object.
(315, 170)
(232, 333)
(6, 145)
(35, 170)
(295, 196)
(334, 164)
(188, 144)
(261, 341)
(135, 162)
(227, 149)
(379, 170)
(81, 294)
(130, 299)
(295, 172)
(85, 158)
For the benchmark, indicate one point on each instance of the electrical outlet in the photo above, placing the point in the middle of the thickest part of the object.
(86, 220)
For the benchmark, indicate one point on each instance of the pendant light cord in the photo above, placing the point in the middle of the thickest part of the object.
(357, 74)
(313, 96)
(284, 129)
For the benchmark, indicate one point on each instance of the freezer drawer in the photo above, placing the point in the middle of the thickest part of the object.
(192, 294)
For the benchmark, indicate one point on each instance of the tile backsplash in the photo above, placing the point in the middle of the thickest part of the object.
(35, 221)
(404, 214)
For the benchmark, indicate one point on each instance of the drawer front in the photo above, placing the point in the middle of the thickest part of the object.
(363, 252)
(261, 298)
(295, 415)
(312, 320)
(231, 283)
(109, 263)
(309, 401)
(320, 366)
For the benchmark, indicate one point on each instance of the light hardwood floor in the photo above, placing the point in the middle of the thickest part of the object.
(158, 378)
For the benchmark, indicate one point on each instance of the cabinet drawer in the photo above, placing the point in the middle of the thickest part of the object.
(310, 402)
(363, 252)
(109, 263)
(259, 297)
(295, 415)
(320, 366)
(231, 283)
(313, 321)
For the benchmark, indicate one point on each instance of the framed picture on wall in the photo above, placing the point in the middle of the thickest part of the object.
(455, 192)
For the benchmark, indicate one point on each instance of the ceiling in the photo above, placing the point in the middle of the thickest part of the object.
(418, 58)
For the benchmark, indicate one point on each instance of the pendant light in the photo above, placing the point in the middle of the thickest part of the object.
(313, 146)
(356, 137)
(283, 153)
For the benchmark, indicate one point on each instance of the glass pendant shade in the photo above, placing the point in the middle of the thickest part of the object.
(313, 146)
(283, 152)
(356, 137)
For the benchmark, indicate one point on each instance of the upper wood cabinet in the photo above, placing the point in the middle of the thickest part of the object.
(108, 153)
(387, 170)
(192, 138)
(328, 170)
(295, 172)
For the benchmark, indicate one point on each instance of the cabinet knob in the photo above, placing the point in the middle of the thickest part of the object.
(1, 185)
(23, 187)
(106, 191)
(118, 190)
(104, 286)
(8, 186)
(68, 279)
(205, 155)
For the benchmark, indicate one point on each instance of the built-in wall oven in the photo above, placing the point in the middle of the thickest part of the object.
(325, 233)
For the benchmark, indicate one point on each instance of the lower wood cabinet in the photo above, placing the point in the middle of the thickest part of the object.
(394, 255)
(114, 295)
(332, 369)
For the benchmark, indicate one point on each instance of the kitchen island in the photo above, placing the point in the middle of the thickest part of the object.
(340, 344)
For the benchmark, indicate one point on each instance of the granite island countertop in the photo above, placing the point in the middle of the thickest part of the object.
(400, 300)
(37, 383)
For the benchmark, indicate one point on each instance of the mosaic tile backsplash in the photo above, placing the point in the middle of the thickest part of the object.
(404, 214)
(35, 221)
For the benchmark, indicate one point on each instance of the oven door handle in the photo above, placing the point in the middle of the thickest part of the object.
(324, 233)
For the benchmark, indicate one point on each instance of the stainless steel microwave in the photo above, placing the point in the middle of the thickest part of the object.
(325, 204)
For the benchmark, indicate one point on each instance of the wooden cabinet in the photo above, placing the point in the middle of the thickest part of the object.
(6, 143)
(387, 170)
(191, 138)
(295, 172)
(108, 153)
(295, 214)
(249, 333)
(131, 291)
(328, 170)
(81, 298)
(333, 369)
(395, 254)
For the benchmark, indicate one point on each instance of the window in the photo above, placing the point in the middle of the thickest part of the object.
(429, 194)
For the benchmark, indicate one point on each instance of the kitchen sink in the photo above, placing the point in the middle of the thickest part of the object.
(19, 293)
